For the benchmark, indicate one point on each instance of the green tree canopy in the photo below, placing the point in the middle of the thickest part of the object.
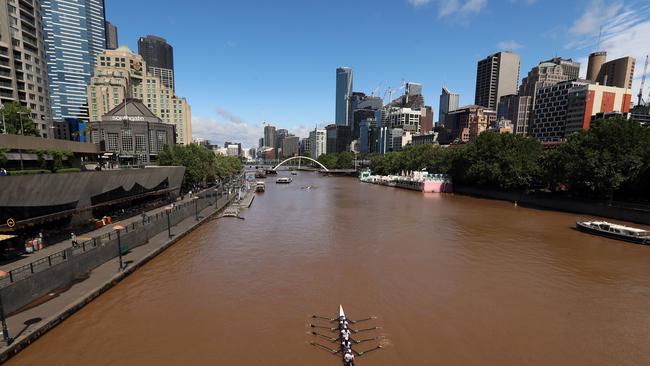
(13, 114)
(201, 164)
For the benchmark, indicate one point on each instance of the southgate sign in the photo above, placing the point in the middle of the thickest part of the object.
(128, 118)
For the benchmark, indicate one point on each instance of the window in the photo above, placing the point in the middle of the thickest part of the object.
(127, 140)
(140, 142)
(161, 137)
(111, 143)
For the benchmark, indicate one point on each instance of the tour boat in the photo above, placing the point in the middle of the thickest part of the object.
(294, 173)
(615, 231)
(283, 180)
(260, 187)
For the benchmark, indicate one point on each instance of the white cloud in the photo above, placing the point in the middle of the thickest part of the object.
(446, 8)
(511, 45)
(625, 32)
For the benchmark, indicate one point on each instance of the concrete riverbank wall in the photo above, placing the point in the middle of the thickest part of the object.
(75, 263)
(638, 214)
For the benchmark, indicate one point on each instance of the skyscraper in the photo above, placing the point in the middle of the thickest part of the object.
(121, 71)
(618, 73)
(74, 36)
(596, 61)
(269, 136)
(159, 56)
(496, 75)
(343, 94)
(448, 103)
(111, 36)
(23, 75)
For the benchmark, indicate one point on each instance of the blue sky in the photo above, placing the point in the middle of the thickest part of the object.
(241, 63)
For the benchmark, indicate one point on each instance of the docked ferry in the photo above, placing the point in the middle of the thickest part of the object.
(260, 187)
(420, 181)
(615, 231)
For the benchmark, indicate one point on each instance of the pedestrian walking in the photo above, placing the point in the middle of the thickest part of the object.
(73, 239)
(3, 172)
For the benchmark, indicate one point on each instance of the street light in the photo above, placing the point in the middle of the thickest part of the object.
(118, 228)
(168, 209)
(196, 207)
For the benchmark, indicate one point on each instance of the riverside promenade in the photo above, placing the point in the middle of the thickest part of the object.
(30, 322)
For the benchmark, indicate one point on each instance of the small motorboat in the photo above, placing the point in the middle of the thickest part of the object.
(260, 187)
(615, 231)
(294, 173)
(283, 180)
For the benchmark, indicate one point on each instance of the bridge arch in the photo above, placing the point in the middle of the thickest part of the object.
(300, 157)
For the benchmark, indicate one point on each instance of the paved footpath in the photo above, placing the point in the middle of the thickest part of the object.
(55, 248)
(28, 325)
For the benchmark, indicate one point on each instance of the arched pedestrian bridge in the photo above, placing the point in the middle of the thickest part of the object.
(299, 158)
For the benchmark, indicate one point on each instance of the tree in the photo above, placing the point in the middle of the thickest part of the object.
(201, 165)
(599, 161)
(13, 114)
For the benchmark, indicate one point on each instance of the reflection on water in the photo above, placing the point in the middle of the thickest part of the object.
(454, 281)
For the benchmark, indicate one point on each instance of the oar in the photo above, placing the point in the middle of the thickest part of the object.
(364, 340)
(324, 318)
(364, 352)
(363, 330)
(332, 351)
(322, 327)
(325, 337)
(361, 320)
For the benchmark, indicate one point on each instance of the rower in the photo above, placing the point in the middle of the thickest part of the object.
(345, 334)
(348, 359)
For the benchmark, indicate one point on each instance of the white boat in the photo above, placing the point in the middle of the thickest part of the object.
(260, 186)
(615, 231)
(283, 180)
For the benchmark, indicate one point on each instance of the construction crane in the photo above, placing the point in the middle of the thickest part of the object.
(645, 70)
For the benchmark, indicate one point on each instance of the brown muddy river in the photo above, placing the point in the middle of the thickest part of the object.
(453, 280)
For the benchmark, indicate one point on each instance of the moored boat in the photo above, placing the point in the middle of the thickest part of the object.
(283, 180)
(615, 231)
(260, 187)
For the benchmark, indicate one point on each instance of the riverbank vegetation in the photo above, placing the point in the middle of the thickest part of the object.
(202, 165)
(18, 120)
(610, 159)
(343, 160)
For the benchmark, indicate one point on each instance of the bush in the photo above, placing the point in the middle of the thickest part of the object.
(29, 172)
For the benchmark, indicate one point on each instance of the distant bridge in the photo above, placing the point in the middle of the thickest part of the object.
(299, 158)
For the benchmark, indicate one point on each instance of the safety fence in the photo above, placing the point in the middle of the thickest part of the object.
(131, 235)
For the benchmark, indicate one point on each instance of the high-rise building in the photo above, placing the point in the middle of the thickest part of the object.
(318, 143)
(517, 109)
(618, 73)
(496, 75)
(23, 66)
(405, 118)
(448, 103)
(305, 146)
(545, 74)
(586, 101)
(550, 111)
(74, 35)
(596, 61)
(159, 56)
(570, 68)
(119, 72)
(426, 119)
(343, 95)
(111, 36)
(290, 146)
(269, 136)
(466, 123)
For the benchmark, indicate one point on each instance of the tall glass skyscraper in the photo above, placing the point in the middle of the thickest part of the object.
(343, 94)
(74, 36)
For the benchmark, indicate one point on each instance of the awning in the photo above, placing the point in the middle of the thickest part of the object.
(6, 237)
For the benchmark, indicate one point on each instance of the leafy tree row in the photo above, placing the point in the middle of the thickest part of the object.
(13, 113)
(342, 160)
(201, 164)
(611, 158)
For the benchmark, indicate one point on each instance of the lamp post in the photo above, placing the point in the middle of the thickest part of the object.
(169, 226)
(119, 228)
(196, 207)
(22, 132)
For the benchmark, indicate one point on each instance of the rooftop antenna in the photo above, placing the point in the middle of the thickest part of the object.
(645, 70)
(600, 34)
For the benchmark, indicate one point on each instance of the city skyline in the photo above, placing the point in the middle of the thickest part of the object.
(270, 62)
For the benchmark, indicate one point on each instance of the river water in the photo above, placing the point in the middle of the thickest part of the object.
(453, 280)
